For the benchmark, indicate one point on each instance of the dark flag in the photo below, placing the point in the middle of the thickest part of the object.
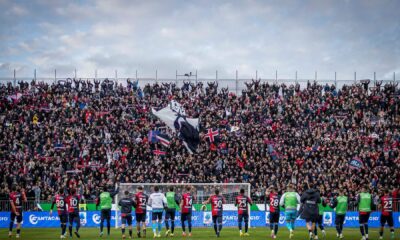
(174, 117)
(356, 163)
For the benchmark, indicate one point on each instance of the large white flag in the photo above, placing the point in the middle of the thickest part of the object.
(174, 116)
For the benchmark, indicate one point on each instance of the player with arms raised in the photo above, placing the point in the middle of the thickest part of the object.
(274, 210)
(242, 203)
(73, 212)
(105, 202)
(386, 204)
(17, 196)
(126, 205)
(61, 203)
(186, 211)
(217, 202)
(140, 200)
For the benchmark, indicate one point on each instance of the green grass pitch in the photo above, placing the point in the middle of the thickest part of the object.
(198, 233)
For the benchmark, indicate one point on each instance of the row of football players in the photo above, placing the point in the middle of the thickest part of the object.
(312, 212)
(310, 207)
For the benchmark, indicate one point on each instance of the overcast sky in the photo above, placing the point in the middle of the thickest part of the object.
(248, 35)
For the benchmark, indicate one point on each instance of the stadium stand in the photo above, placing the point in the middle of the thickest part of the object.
(97, 134)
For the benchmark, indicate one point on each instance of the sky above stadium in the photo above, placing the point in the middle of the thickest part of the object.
(246, 35)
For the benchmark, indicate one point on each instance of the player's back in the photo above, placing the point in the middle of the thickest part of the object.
(187, 199)
(126, 205)
(274, 202)
(217, 202)
(61, 203)
(242, 202)
(73, 203)
(141, 202)
(387, 204)
(157, 200)
(16, 198)
(291, 199)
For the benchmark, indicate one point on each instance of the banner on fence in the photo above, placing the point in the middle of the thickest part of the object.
(199, 219)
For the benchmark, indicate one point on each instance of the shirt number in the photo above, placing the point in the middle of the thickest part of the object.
(60, 203)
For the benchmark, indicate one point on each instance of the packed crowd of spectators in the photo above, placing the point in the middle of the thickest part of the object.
(269, 135)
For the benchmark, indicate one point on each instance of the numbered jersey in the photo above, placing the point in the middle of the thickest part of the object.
(387, 205)
(187, 200)
(242, 202)
(273, 202)
(126, 205)
(217, 202)
(73, 203)
(61, 203)
(16, 198)
(141, 202)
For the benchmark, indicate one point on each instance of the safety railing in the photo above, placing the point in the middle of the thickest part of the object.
(233, 84)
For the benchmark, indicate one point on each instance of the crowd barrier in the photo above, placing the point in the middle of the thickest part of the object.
(199, 219)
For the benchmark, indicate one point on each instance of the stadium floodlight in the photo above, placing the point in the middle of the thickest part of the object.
(186, 76)
(201, 192)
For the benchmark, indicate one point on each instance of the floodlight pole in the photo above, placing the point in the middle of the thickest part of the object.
(237, 82)
(335, 80)
(15, 79)
(355, 77)
(176, 77)
(186, 75)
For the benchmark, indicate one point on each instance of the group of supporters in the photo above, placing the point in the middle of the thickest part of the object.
(309, 206)
(98, 134)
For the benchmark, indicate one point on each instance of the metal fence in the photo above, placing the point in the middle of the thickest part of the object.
(235, 83)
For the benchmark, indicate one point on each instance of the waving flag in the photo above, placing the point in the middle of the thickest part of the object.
(15, 97)
(174, 116)
(152, 137)
(156, 136)
(159, 152)
(356, 163)
(211, 135)
(163, 139)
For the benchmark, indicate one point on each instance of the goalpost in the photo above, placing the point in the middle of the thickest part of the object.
(201, 192)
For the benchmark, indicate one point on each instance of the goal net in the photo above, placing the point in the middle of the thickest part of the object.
(201, 192)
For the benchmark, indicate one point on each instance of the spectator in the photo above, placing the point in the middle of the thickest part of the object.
(269, 135)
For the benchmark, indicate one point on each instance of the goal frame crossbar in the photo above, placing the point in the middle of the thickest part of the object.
(248, 186)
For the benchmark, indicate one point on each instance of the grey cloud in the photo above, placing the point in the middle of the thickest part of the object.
(246, 35)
